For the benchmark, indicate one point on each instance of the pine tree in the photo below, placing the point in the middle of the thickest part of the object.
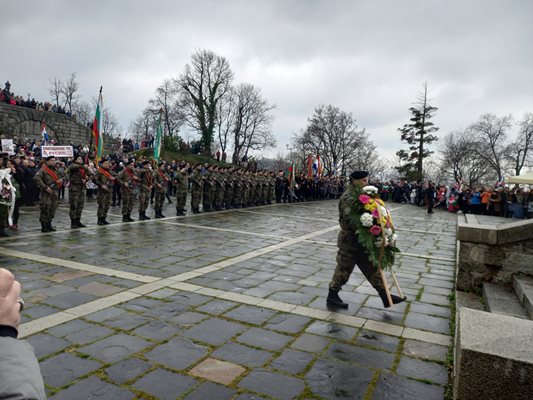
(418, 134)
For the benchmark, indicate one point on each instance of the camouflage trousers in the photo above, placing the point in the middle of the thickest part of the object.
(219, 198)
(76, 198)
(237, 197)
(144, 200)
(159, 201)
(195, 199)
(127, 201)
(181, 200)
(270, 195)
(228, 196)
(103, 199)
(48, 204)
(207, 199)
(347, 258)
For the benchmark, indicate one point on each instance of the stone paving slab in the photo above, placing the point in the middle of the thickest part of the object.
(231, 305)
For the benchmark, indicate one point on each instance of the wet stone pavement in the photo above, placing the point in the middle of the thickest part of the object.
(230, 305)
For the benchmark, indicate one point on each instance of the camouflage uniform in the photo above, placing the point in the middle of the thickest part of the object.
(271, 188)
(146, 179)
(237, 190)
(48, 202)
(207, 193)
(181, 181)
(78, 174)
(245, 189)
(130, 180)
(350, 250)
(220, 189)
(161, 183)
(103, 197)
(228, 193)
(196, 190)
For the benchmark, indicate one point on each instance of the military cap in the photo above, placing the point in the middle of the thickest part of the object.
(358, 174)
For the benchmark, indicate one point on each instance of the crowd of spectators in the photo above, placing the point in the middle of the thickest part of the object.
(503, 201)
(6, 96)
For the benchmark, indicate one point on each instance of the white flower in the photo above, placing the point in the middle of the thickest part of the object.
(394, 238)
(378, 243)
(370, 190)
(388, 231)
(367, 220)
(383, 211)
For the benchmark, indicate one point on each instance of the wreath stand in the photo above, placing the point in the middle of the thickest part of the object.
(380, 269)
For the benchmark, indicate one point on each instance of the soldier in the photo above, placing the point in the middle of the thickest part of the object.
(196, 188)
(271, 186)
(105, 180)
(146, 180)
(246, 181)
(280, 186)
(351, 252)
(49, 181)
(208, 188)
(218, 195)
(130, 180)
(181, 182)
(161, 183)
(237, 189)
(78, 174)
(228, 193)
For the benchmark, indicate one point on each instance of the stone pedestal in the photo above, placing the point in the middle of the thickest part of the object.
(494, 357)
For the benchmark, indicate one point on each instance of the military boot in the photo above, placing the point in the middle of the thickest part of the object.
(73, 223)
(100, 221)
(334, 300)
(44, 227)
(80, 225)
(50, 227)
(146, 217)
(395, 299)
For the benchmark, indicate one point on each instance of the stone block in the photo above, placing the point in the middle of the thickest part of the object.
(494, 357)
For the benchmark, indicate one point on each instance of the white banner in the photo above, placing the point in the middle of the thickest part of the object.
(8, 146)
(57, 151)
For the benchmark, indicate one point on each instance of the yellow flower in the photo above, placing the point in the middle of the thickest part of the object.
(370, 206)
(380, 202)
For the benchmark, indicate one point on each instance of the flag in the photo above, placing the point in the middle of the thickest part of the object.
(158, 136)
(44, 135)
(97, 128)
(310, 167)
(319, 164)
(293, 178)
(315, 167)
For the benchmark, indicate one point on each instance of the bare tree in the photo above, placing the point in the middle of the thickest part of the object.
(55, 91)
(490, 133)
(166, 99)
(69, 92)
(461, 162)
(203, 84)
(225, 119)
(519, 152)
(143, 125)
(83, 112)
(252, 121)
(334, 135)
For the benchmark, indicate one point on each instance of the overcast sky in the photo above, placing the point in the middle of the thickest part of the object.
(370, 58)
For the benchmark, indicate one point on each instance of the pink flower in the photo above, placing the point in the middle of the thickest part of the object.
(375, 213)
(388, 225)
(364, 199)
(375, 230)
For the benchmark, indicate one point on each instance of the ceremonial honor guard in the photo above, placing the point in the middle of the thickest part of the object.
(208, 189)
(49, 181)
(146, 178)
(161, 183)
(130, 180)
(105, 180)
(181, 182)
(78, 175)
(196, 188)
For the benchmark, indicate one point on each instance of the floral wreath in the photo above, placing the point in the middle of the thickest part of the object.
(373, 226)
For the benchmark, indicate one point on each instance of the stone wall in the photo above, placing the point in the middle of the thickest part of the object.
(21, 124)
(493, 253)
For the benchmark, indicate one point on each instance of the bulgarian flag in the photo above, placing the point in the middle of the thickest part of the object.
(97, 128)
(309, 167)
(158, 135)
(320, 165)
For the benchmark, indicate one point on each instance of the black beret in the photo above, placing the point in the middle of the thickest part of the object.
(130, 161)
(50, 158)
(358, 174)
(145, 162)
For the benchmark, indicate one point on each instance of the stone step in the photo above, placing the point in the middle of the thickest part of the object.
(523, 286)
(502, 300)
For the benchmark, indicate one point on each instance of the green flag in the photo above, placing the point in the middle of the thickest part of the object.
(158, 137)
